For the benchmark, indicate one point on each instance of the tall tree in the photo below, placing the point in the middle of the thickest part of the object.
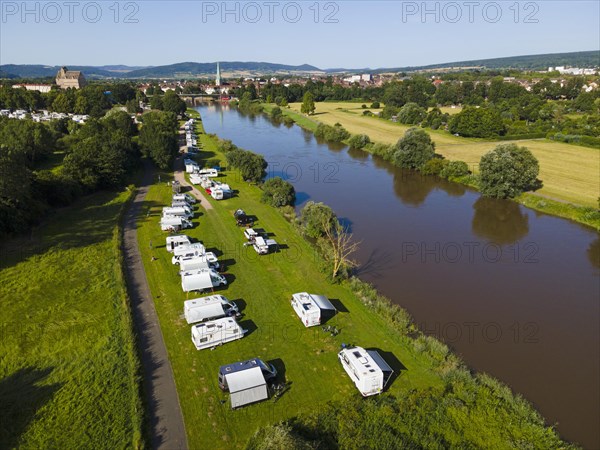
(308, 104)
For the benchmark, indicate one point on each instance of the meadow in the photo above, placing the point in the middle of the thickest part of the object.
(570, 173)
(68, 364)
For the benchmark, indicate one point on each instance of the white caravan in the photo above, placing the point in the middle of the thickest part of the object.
(191, 167)
(210, 257)
(311, 308)
(185, 198)
(181, 204)
(216, 332)
(175, 241)
(172, 223)
(197, 262)
(196, 179)
(199, 280)
(366, 368)
(209, 172)
(220, 193)
(263, 246)
(179, 212)
(205, 308)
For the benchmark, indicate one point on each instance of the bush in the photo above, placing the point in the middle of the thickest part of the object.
(384, 150)
(375, 105)
(414, 149)
(507, 171)
(363, 106)
(455, 169)
(434, 166)
(477, 122)
(278, 192)
(359, 141)
(367, 113)
(251, 166)
(337, 133)
(276, 113)
(411, 114)
(313, 217)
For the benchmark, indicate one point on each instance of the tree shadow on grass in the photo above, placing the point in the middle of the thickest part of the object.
(21, 397)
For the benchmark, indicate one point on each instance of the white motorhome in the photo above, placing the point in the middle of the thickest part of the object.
(175, 241)
(205, 308)
(197, 248)
(366, 368)
(185, 198)
(180, 204)
(191, 167)
(209, 172)
(312, 309)
(216, 332)
(172, 223)
(197, 262)
(196, 179)
(220, 193)
(263, 246)
(199, 280)
(180, 211)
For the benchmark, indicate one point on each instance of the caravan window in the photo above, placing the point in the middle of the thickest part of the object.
(204, 339)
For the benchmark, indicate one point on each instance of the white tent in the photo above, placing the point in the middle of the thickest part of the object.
(247, 386)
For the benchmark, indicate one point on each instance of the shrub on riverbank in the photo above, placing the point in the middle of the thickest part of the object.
(278, 192)
(359, 141)
(336, 133)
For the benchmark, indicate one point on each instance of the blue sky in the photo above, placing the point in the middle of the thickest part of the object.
(352, 34)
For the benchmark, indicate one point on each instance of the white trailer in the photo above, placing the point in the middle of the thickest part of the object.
(366, 368)
(205, 308)
(199, 280)
(210, 257)
(175, 241)
(193, 263)
(220, 193)
(191, 167)
(185, 198)
(312, 309)
(172, 223)
(209, 172)
(180, 211)
(216, 332)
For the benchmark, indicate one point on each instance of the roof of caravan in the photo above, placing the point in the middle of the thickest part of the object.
(195, 302)
(245, 379)
(320, 301)
(385, 367)
(361, 360)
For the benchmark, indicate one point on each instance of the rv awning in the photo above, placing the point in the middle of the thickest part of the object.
(322, 302)
(247, 386)
(245, 379)
(385, 367)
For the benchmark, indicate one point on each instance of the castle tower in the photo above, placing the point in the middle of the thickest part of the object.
(218, 80)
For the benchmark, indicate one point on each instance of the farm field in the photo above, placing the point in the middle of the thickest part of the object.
(570, 173)
(68, 371)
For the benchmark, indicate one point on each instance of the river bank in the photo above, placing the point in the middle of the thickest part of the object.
(306, 357)
(585, 215)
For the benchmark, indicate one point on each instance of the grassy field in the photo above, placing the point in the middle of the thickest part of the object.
(570, 173)
(68, 364)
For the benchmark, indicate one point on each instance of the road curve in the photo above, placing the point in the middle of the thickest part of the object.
(165, 418)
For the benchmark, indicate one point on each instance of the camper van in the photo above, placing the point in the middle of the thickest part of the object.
(181, 211)
(209, 172)
(175, 241)
(196, 179)
(268, 370)
(185, 198)
(191, 167)
(366, 368)
(220, 193)
(312, 309)
(199, 280)
(172, 223)
(206, 308)
(216, 332)
(264, 246)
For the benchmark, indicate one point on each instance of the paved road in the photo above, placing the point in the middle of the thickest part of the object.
(180, 176)
(166, 420)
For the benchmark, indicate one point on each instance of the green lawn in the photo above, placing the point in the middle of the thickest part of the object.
(68, 365)
(308, 357)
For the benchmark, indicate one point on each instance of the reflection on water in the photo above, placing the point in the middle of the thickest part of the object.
(593, 253)
(499, 221)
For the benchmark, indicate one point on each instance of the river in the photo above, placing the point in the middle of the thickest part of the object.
(513, 291)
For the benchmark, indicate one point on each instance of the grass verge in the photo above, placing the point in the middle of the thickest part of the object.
(69, 367)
